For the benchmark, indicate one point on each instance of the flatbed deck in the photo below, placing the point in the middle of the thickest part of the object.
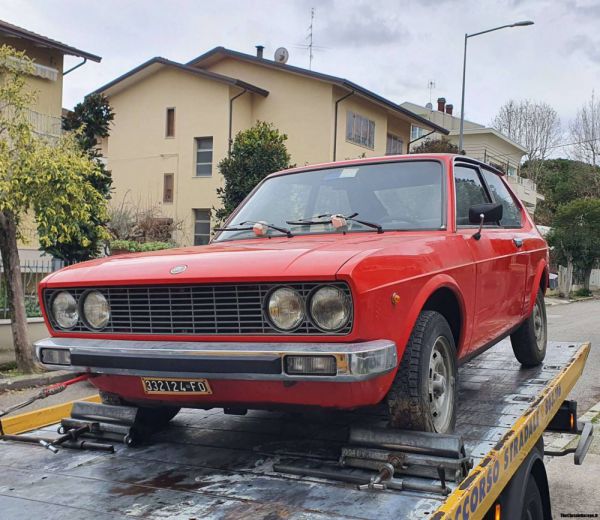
(210, 465)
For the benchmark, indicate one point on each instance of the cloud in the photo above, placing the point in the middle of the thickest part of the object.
(362, 25)
(584, 44)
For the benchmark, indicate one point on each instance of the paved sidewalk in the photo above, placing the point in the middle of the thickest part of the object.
(72, 393)
(574, 489)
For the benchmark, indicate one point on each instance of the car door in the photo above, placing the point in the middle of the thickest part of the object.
(500, 273)
(514, 238)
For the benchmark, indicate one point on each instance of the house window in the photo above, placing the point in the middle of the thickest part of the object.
(170, 126)
(168, 188)
(360, 130)
(201, 226)
(394, 145)
(416, 132)
(204, 156)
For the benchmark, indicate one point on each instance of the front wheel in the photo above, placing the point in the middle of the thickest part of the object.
(423, 393)
(529, 340)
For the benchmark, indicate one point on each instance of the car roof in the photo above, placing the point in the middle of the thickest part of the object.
(389, 158)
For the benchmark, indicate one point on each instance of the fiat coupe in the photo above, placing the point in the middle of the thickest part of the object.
(336, 286)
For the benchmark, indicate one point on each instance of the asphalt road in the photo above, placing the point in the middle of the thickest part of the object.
(580, 322)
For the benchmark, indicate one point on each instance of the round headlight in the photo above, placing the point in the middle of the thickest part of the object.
(330, 308)
(64, 310)
(285, 308)
(96, 310)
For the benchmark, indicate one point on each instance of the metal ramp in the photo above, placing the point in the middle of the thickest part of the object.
(210, 465)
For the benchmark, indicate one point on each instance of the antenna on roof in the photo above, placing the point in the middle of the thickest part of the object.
(430, 86)
(310, 38)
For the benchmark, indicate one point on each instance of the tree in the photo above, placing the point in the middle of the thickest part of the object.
(442, 145)
(575, 235)
(90, 120)
(53, 181)
(256, 153)
(564, 180)
(585, 132)
(535, 126)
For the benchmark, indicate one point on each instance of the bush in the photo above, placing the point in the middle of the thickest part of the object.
(582, 293)
(131, 246)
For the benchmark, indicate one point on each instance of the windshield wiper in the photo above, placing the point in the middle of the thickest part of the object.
(241, 227)
(310, 221)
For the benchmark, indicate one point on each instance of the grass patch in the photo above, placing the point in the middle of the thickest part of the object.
(10, 370)
(582, 293)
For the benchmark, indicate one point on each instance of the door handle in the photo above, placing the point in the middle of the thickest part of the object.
(518, 242)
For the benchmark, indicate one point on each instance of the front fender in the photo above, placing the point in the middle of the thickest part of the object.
(438, 281)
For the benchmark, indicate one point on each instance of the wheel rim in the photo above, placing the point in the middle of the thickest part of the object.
(441, 385)
(539, 327)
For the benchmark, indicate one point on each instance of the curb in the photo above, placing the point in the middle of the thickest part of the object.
(28, 381)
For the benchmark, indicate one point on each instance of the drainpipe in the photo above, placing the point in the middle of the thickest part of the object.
(230, 140)
(335, 122)
(75, 67)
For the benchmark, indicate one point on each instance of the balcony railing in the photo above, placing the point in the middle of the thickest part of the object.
(526, 183)
(44, 124)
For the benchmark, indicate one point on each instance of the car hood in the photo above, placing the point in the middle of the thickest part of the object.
(277, 259)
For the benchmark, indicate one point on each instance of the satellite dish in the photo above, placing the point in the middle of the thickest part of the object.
(282, 55)
(429, 106)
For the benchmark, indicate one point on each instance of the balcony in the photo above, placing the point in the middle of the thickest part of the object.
(44, 124)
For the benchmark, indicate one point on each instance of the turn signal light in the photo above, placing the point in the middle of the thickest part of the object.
(56, 356)
(311, 365)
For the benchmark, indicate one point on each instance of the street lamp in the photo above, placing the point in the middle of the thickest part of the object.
(462, 102)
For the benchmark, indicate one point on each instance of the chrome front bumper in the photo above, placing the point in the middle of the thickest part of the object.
(218, 360)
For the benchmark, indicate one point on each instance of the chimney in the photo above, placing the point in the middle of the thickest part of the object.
(449, 108)
(259, 51)
(441, 104)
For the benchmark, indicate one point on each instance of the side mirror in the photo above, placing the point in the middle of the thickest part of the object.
(484, 213)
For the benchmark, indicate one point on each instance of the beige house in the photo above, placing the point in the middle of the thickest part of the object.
(480, 142)
(47, 81)
(174, 123)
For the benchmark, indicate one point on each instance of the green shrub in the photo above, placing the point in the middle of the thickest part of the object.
(582, 293)
(131, 246)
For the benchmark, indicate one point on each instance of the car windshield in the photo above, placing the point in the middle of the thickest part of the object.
(396, 195)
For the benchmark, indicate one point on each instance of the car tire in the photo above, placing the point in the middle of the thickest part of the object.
(533, 507)
(530, 339)
(423, 394)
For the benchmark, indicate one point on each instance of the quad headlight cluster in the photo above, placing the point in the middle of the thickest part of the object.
(92, 308)
(328, 307)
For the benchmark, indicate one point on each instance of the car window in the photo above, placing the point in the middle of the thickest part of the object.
(511, 216)
(403, 195)
(469, 191)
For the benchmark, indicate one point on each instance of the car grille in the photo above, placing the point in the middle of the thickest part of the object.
(192, 309)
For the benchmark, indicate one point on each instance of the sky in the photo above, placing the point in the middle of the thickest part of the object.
(395, 48)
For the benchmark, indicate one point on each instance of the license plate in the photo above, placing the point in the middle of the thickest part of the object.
(154, 385)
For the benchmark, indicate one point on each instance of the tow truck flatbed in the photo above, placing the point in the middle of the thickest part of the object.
(210, 465)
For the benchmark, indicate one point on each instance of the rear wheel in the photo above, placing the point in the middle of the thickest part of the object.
(423, 393)
(533, 508)
(529, 340)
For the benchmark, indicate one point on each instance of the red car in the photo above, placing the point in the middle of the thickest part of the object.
(341, 285)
